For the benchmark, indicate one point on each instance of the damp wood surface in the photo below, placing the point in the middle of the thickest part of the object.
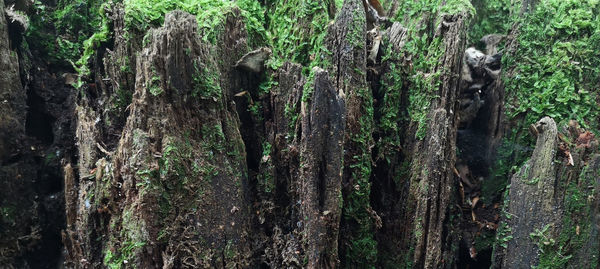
(299, 134)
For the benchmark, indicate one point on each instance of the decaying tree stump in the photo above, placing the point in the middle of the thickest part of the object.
(551, 211)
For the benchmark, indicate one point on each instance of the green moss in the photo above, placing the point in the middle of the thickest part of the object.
(297, 29)
(213, 138)
(123, 98)
(556, 68)
(485, 239)
(229, 251)
(126, 256)
(362, 252)
(576, 227)
(356, 37)
(509, 157)
(143, 14)
(93, 42)
(503, 235)
(255, 15)
(390, 112)
(206, 81)
(8, 215)
(155, 88)
(128, 245)
(266, 179)
(555, 73)
(456, 6)
(422, 78)
(423, 84)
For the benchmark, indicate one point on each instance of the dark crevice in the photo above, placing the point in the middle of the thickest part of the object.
(250, 134)
(48, 187)
(12, 160)
(480, 105)
(49, 127)
(38, 123)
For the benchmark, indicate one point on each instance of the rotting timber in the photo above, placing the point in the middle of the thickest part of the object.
(361, 136)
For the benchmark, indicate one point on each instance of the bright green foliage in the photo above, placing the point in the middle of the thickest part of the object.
(556, 64)
(143, 14)
(297, 29)
(255, 15)
(455, 6)
(556, 71)
(60, 33)
(91, 44)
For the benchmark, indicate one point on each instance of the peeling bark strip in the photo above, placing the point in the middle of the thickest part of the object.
(431, 175)
(321, 172)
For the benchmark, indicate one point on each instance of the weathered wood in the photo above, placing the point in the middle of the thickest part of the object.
(532, 203)
(321, 152)
(12, 95)
(432, 175)
(173, 190)
(540, 203)
(19, 229)
(347, 42)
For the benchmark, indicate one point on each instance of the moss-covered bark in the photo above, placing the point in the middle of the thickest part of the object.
(348, 149)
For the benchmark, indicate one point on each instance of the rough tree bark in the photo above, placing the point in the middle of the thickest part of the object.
(14, 174)
(532, 198)
(35, 135)
(553, 195)
(184, 161)
(173, 191)
(321, 152)
(432, 168)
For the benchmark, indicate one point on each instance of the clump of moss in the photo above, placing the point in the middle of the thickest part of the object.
(553, 71)
(206, 81)
(556, 66)
(143, 14)
(390, 113)
(121, 252)
(301, 41)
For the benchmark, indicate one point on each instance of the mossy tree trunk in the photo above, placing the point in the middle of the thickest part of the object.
(341, 153)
